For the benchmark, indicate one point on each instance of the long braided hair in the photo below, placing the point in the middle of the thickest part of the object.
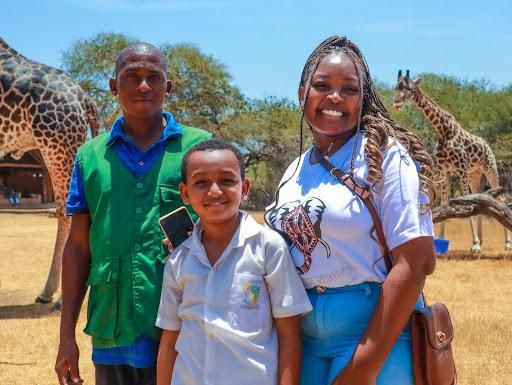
(376, 120)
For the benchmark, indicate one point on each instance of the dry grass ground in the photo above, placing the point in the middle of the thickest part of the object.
(477, 292)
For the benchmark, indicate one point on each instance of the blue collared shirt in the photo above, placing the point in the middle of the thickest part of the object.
(142, 352)
(135, 160)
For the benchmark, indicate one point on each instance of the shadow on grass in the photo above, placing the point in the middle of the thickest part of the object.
(17, 363)
(30, 311)
(463, 255)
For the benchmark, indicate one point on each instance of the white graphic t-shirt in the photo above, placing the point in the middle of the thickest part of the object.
(329, 229)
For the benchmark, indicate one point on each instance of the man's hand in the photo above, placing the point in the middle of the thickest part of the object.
(169, 245)
(76, 265)
(66, 364)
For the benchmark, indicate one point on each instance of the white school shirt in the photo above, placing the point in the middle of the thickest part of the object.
(224, 313)
(329, 229)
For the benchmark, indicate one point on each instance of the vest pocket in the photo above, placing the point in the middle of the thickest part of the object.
(103, 299)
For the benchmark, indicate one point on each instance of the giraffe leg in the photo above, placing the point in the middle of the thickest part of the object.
(53, 279)
(464, 186)
(474, 231)
(508, 241)
(445, 188)
(493, 180)
(475, 187)
(59, 167)
(480, 229)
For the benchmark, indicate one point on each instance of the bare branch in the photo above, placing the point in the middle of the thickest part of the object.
(476, 204)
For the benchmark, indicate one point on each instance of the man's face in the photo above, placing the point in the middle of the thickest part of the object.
(141, 84)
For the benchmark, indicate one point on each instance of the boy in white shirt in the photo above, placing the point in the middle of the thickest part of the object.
(231, 298)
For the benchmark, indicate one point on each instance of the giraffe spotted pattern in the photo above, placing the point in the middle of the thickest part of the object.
(42, 108)
(458, 153)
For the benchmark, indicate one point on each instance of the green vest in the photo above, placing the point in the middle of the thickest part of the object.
(127, 255)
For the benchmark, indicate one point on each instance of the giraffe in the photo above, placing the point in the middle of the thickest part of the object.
(458, 153)
(43, 109)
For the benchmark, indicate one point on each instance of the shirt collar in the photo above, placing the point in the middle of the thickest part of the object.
(171, 129)
(247, 228)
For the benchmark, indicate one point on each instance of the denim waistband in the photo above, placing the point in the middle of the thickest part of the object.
(365, 286)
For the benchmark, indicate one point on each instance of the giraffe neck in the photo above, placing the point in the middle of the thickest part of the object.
(6, 49)
(443, 122)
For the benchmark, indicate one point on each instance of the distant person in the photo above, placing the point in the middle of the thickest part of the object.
(122, 182)
(357, 333)
(231, 298)
(14, 198)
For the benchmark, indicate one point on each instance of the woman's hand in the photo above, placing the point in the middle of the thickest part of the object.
(352, 376)
(413, 261)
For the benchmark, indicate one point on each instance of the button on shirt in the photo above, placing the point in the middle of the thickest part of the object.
(224, 313)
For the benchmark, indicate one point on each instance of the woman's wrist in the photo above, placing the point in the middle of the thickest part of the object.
(356, 373)
(363, 365)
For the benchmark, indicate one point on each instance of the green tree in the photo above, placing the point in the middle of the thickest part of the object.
(479, 107)
(267, 131)
(91, 62)
(202, 91)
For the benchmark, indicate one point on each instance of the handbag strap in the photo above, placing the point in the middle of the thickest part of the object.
(362, 192)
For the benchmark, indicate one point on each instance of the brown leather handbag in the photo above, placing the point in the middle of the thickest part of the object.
(432, 335)
(432, 330)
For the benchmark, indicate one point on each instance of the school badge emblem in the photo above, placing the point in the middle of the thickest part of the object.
(250, 294)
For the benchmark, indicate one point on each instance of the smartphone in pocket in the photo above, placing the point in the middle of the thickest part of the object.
(177, 225)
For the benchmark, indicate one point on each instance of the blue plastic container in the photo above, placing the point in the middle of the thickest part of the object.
(441, 245)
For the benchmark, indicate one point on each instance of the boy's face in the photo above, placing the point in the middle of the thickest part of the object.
(214, 186)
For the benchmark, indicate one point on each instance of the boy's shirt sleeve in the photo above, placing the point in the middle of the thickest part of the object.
(76, 203)
(288, 296)
(170, 300)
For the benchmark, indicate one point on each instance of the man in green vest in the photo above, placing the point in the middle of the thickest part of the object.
(122, 182)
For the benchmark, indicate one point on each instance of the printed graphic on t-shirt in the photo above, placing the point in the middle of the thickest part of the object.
(300, 223)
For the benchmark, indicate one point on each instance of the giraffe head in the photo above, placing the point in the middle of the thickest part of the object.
(405, 87)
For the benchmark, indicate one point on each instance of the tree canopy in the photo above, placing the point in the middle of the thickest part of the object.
(91, 62)
(202, 90)
(267, 131)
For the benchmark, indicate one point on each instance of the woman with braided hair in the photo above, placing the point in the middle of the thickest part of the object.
(358, 332)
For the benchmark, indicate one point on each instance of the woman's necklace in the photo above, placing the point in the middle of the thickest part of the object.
(328, 152)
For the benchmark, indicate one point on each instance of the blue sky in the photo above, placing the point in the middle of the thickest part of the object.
(264, 43)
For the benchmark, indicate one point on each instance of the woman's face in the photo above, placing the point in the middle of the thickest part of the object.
(333, 103)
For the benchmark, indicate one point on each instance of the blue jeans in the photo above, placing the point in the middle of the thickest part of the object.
(331, 332)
